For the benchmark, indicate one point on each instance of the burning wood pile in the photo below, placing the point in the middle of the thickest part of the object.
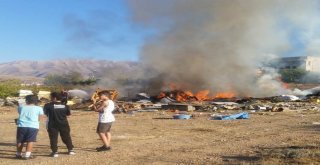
(180, 100)
(188, 96)
(204, 101)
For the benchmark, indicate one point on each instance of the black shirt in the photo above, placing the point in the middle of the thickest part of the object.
(57, 114)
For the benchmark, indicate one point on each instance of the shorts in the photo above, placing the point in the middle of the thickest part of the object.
(26, 134)
(104, 127)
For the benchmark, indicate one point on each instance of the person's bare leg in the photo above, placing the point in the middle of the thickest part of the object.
(103, 138)
(108, 136)
(29, 146)
(19, 149)
(29, 149)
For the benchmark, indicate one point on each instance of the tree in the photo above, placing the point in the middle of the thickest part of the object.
(74, 77)
(293, 75)
(70, 79)
(56, 80)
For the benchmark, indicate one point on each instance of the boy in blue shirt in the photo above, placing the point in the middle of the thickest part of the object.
(28, 125)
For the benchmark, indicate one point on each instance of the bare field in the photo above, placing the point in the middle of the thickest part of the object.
(150, 138)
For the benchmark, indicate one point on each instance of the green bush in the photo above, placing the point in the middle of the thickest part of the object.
(9, 88)
(68, 80)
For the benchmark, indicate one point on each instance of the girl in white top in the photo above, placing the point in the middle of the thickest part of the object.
(106, 118)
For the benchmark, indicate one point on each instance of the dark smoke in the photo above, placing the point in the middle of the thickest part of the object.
(219, 44)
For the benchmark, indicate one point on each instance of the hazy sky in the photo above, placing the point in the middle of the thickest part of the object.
(100, 29)
(49, 29)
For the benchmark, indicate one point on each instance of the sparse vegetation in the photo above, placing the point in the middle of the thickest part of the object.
(10, 88)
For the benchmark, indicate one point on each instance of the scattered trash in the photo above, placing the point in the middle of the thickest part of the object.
(79, 94)
(279, 108)
(288, 98)
(44, 94)
(12, 101)
(177, 100)
(166, 100)
(178, 106)
(2, 102)
(243, 115)
(259, 108)
(181, 116)
(148, 110)
(316, 123)
(206, 108)
(24, 93)
(143, 96)
(225, 103)
(144, 101)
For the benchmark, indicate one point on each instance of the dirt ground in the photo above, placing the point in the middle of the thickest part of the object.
(152, 138)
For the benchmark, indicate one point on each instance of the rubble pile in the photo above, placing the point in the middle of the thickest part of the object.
(178, 100)
(2, 102)
(172, 101)
(207, 108)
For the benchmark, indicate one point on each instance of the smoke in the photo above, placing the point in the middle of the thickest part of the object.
(92, 31)
(128, 78)
(219, 44)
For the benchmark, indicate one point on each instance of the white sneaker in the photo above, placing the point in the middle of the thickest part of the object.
(54, 154)
(72, 152)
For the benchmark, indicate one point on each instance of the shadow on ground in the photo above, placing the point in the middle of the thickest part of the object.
(163, 118)
(290, 154)
(10, 151)
(315, 128)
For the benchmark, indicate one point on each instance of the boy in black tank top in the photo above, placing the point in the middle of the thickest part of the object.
(57, 113)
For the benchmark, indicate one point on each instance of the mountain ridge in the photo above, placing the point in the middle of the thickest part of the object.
(40, 69)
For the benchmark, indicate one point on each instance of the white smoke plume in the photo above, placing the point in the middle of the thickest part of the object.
(219, 44)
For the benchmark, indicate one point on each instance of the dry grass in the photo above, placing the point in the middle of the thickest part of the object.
(151, 138)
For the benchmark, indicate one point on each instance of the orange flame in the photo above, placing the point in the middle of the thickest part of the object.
(285, 85)
(181, 95)
(203, 95)
(199, 96)
(161, 95)
(225, 95)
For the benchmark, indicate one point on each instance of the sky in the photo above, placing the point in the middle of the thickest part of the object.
(49, 29)
(94, 29)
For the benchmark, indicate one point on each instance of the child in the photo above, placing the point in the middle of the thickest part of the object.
(105, 120)
(57, 113)
(28, 126)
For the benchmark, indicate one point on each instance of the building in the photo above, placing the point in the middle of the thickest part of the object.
(307, 63)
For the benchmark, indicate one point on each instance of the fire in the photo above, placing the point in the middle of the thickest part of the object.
(184, 96)
(285, 85)
(175, 92)
(161, 95)
(225, 95)
(202, 95)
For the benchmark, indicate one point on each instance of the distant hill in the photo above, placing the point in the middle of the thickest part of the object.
(40, 69)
